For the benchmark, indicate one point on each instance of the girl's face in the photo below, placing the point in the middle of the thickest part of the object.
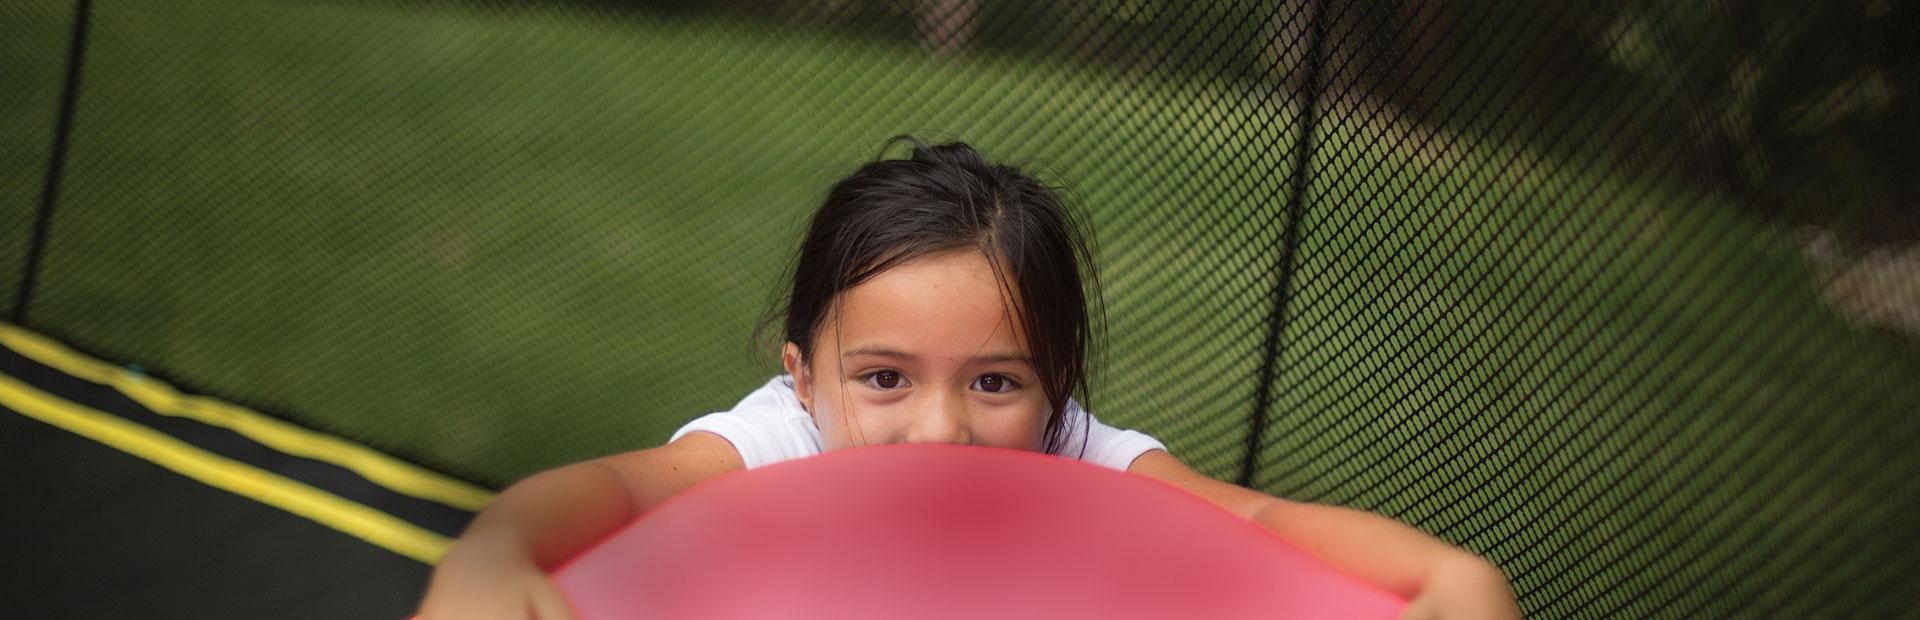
(925, 352)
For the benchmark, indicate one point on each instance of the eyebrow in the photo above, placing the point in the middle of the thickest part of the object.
(991, 358)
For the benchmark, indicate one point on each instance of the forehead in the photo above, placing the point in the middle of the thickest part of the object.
(942, 305)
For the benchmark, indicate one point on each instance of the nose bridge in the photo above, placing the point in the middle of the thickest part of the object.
(942, 418)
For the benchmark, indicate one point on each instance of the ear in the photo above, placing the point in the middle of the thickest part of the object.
(802, 378)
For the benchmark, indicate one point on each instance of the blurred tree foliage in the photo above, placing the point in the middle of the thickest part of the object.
(1806, 110)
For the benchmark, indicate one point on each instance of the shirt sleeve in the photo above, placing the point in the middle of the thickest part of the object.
(766, 427)
(1116, 448)
(756, 445)
(1106, 446)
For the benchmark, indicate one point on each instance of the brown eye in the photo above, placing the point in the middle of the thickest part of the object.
(885, 379)
(995, 384)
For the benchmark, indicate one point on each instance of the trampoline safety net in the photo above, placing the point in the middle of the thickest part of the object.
(1624, 296)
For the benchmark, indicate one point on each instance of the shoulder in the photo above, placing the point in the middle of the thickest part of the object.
(1094, 442)
(768, 426)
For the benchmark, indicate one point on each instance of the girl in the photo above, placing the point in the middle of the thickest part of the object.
(935, 299)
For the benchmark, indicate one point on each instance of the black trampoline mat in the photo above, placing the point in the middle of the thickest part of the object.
(97, 533)
(126, 498)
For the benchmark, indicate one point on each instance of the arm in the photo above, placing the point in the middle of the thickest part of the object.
(498, 566)
(1435, 576)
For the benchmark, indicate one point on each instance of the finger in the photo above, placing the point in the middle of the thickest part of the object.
(549, 604)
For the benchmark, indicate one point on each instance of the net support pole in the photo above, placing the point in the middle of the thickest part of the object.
(56, 163)
(1311, 88)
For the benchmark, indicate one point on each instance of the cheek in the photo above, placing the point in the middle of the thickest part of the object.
(825, 408)
(1022, 430)
(837, 412)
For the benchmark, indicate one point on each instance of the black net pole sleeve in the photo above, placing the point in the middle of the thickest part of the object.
(56, 163)
(1298, 181)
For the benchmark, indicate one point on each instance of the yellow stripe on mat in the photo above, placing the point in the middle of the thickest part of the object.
(266, 487)
(161, 398)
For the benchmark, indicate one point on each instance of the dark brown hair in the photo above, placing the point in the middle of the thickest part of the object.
(948, 197)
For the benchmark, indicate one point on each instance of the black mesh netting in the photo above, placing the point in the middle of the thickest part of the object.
(1624, 296)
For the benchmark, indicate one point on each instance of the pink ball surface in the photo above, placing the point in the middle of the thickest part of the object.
(938, 531)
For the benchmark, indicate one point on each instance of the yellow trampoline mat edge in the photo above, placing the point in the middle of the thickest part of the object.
(386, 471)
(354, 519)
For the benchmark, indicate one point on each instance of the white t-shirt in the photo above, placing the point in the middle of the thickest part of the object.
(770, 426)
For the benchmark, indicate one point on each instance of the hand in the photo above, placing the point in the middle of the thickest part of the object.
(1468, 589)
(488, 581)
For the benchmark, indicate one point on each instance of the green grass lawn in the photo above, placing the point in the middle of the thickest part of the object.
(499, 244)
(496, 243)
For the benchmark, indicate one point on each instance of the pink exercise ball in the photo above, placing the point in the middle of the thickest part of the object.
(938, 531)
